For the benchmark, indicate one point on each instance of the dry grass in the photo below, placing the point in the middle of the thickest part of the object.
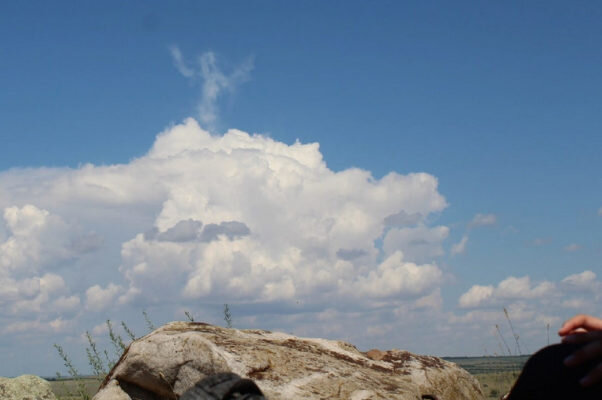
(66, 389)
(496, 384)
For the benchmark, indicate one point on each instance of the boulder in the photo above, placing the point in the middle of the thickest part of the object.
(25, 387)
(170, 360)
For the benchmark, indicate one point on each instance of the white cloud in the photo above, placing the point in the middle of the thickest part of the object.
(214, 81)
(475, 296)
(179, 63)
(64, 303)
(483, 220)
(98, 299)
(432, 301)
(535, 309)
(100, 329)
(600, 212)
(509, 289)
(54, 326)
(585, 280)
(236, 218)
(460, 247)
(572, 247)
(395, 277)
(36, 238)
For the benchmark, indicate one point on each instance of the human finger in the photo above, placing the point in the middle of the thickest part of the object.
(582, 337)
(574, 332)
(586, 322)
(593, 377)
(586, 353)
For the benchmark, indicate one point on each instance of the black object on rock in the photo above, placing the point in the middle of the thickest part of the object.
(224, 386)
(545, 377)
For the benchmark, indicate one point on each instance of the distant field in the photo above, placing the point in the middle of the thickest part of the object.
(68, 389)
(487, 365)
(496, 375)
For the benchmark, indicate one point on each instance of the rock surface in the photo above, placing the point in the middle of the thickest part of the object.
(25, 387)
(170, 360)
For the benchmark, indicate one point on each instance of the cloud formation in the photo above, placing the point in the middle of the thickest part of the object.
(259, 224)
(531, 305)
(460, 247)
(213, 81)
(483, 220)
(572, 247)
(237, 218)
(511, 288)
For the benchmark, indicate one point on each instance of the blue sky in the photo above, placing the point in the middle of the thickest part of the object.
(499, 104)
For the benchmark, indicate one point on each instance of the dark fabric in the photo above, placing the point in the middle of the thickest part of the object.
(223, 386)
(546, 377)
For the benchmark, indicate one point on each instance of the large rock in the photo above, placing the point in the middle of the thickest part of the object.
(168, 361)
(25, 387)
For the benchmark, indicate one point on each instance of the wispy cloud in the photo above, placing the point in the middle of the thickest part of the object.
(459, 247)
(213, 81)
(179, 62)
(482, 220)
(538, 242)
(572, 247)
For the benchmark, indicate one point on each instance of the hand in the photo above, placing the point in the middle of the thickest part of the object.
(580, 324)
(586, 330)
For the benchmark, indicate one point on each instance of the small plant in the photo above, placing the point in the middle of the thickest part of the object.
(128, 331)
(100, 362)
(149, 323)
(497, 327)
(94, 359)
(513, 332)
(227, 316)
(117, 341)
(189, 316)
(81, 388)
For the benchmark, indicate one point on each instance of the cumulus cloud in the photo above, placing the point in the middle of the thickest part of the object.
(460, 247)
(35, 244)
(214, 81)
(394, 277)
(511, 288)
(98, 299)
(585, 280)
(482, 220)
(533, 307)
(235, 218)
(475, 296)
(37, 239)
